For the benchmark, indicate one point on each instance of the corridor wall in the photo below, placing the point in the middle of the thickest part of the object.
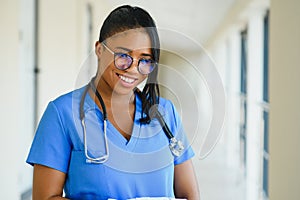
(284, 100)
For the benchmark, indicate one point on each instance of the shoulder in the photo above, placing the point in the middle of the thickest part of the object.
(165, 102)
(65, 105)
(68, 100)
(69, 97)
(166, 106)
(169, 112)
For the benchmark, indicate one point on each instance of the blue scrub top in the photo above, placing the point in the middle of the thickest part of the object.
(140, 167)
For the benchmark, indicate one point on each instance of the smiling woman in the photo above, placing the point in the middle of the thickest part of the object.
(130, 54)
(117, 83)
(108, 139)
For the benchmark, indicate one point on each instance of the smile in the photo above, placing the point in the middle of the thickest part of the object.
(126, 79)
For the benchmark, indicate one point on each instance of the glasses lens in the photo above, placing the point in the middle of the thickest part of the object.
(146, 66)
(122, 61)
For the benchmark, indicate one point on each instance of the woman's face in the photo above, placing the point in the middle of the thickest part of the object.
(134, 42)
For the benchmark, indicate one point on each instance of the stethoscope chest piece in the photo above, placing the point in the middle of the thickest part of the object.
(176, 146)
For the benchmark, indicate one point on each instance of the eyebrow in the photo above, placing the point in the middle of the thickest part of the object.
(129, 50)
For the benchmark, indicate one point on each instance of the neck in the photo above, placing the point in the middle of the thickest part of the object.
(110, 96)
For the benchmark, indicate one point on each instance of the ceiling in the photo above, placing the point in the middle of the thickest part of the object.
(194, 19)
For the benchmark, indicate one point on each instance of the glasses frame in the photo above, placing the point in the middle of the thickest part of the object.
(132, 59)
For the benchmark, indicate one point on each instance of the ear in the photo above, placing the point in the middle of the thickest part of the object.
(98, 48)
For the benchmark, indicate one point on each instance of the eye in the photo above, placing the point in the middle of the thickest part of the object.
(145, 61)
(122, 55)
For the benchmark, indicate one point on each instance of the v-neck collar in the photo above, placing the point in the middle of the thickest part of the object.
(113, 134)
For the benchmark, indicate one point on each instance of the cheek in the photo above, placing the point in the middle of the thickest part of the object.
(106, 62)
(106, 67)
(143, 78)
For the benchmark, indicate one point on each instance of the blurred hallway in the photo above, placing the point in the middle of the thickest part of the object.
(217, 180)
(247, 49)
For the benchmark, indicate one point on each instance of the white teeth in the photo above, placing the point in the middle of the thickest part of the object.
(126, 79)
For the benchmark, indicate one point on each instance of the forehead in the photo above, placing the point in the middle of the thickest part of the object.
(133, 39)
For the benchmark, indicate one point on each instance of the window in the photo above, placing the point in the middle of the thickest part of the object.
(243, 124)
(266, 110)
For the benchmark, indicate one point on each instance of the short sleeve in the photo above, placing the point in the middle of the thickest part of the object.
(51, 147)
(179, 133)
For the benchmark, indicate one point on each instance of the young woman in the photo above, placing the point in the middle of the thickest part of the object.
(109, 140)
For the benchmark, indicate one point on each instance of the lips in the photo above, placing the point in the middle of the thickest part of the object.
(127, 79)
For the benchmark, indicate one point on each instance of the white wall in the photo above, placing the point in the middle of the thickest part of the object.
(254, 99)
(233, 98)
(10, 99)
(26, 115)
(59, 44)
(284, 100)
(62, 48)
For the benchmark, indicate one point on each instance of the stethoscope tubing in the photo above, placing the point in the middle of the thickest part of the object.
(176, 146)
(105, 157)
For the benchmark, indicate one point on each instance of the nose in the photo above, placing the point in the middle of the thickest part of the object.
(134, 65)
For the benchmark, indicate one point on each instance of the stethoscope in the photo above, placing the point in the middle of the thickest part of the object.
(176, 146)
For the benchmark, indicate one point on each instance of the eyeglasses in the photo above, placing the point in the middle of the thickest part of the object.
(124, 61)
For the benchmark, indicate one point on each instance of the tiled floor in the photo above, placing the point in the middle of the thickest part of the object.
(216, 180)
